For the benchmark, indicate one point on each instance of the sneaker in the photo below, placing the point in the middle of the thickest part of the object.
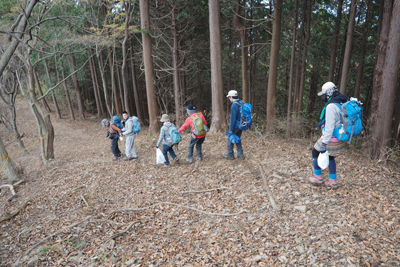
(166, 166)
(176, 160)
(132, 158)
(316, 179)
(200, 158)
(119, 155)
(190, 160)
(331, 184)
(126, 158)
(115, 158)
(241, 157)
(227, 156)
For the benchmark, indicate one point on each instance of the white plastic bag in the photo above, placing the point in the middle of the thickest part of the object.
(159, 156)
(323, 160)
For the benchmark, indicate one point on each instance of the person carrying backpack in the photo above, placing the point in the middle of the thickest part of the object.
(167, 142)
(113, 133)
(330, 120)
(129, 132)
(233, 125)
(199, 131)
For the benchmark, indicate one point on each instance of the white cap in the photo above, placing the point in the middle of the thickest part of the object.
(232, 93)
(325, 87)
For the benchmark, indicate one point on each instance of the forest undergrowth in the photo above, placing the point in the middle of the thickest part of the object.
(83, 209)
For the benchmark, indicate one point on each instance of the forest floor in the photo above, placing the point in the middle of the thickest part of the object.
(86, 210)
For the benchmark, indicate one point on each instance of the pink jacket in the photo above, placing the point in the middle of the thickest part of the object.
(189, 122)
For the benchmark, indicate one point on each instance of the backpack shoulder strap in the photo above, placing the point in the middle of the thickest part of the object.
(239, 103)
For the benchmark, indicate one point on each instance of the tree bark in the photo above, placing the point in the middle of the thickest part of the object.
(360, 69)
(347, 52)
(289, 113)
(9, 167)
(389, 81)
(52, 93)
(135, 88)
(378, 79)
(97, 98)
(39, 87)
(273, 65)
(128, 15)
(218, 123)
(148, 66)
(175, 60)
(72, 65)
(71, 110)
(241, 28)
(335, 42)
(50, 137)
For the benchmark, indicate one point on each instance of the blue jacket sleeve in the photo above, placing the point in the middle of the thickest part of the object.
(234, 116)
(160, 138)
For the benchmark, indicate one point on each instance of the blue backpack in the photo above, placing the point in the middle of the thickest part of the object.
(350, 118)
(136, 124)
(246, 116)
(174, 136)
(117, 121)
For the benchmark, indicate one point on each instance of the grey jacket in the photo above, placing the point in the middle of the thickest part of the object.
(164, 134)
(332, 121)
(128, 130)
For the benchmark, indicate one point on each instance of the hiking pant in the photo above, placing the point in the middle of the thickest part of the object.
(198, 142)
(317, 169)
(130, 146)
(165, 150)
(114, 146)
(238, 145)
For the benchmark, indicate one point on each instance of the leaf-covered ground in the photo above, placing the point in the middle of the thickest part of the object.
(86, 210)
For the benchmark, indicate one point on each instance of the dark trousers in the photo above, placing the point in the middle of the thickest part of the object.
(198, 142)
(114, 146)
(165, 150)
(238, 145)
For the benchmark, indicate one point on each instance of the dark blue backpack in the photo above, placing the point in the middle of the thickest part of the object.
(246, 116)
(350, 118)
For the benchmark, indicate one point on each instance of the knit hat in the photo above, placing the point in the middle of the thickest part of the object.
(328, 88)
(164, 118)
(103, 122)
(191, 109)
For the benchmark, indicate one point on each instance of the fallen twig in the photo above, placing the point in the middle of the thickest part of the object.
(181, 206)
(271, 197)
(202, 191)
(15, 212)
(10, 187)
(84, 200)
(122, 232)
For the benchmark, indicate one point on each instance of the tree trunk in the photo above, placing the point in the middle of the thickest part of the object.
(347, 52)
(378, 79)
(99, 104)
(360, 69)
(135, 87)
(50, 137)
(175, 60)
(19, 32)
(238, 25)
(273, 65)
(148, 66)
(53, 95)
(104, 81)
(389, 81)
(335, 42)
(289, 113)
(128, 16)
(39, 87)
(7, 164)
(71, 110)
(218, 123)
(72, 65)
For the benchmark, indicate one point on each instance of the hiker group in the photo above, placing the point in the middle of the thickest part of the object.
(340, 121)
(240, 120)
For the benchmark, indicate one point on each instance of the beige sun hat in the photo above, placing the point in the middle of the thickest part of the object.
(164, 118)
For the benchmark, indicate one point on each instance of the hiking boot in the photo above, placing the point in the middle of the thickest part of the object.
(227, 156)
(331, 184)
(126, 158)
(316, 179)
(200, 158)
(115, 158)
(190, 160)
(240, 157)
(176, 160)
(119, 155)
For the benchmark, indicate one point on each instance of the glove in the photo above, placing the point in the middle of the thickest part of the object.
(228, 134)
(322, 149)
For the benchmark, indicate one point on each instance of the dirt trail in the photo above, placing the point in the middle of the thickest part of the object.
(135, 212)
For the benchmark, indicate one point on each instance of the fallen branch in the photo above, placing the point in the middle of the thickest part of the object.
(15, 212)
(84, 200)
(9, 186)
(181, 206)
(271, 197)
(202, 191)
(122, 232)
